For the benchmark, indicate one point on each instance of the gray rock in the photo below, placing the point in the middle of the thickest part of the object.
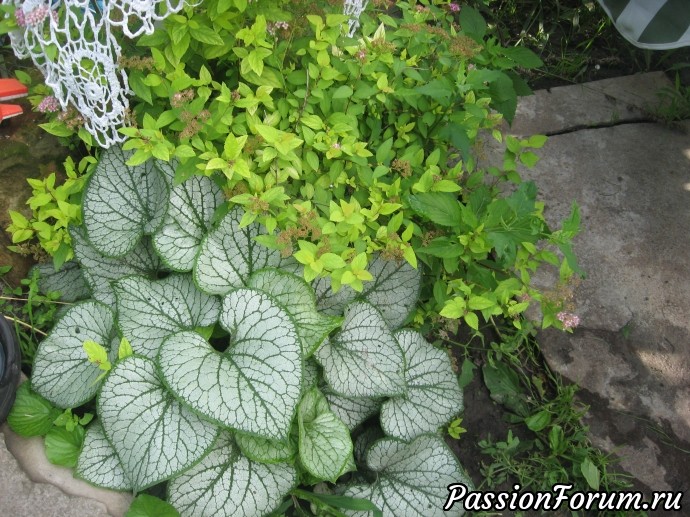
(632, 182)
(38, 488)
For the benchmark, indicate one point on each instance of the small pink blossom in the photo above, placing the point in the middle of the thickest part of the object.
(49, 104)
(454, 7)
(37, 15)
(569, 320)
(335, 145)
(20, 17)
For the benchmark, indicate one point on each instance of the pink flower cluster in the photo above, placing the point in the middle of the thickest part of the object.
(454, 7)
(49, 104)
(569, 320)
(37, 15)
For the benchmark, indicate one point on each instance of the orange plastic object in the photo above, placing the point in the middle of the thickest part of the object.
(12, 89)
(9, 111)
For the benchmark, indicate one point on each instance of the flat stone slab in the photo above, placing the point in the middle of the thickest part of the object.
(599, 103)
(631, 352)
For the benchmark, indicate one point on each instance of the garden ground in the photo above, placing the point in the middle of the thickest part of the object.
(631, 352)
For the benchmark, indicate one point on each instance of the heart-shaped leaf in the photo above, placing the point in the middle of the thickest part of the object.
(394, 291)
(266, 451)
(155, 436)
(98, 463)
(363, 359)
(253, 386)
(69, 281)
(352, 411)
(191, 209)
(122, 203)
(325, 446)
(229, 254)
(99, 271)
(62, 372)
(297, 298)
(411, 479)
(433, 395)
(150, 311)
(227, 484)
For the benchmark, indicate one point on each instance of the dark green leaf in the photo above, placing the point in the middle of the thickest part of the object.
(466, 373)
(438, 207)
(591, 473)
(63, 446)
(538, 421)
(472, 23)
(523, 57)
(148, 506)
(140, 89)
(339, 501)
(31, 414)
(442, 247)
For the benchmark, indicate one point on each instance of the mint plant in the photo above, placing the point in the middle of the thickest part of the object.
(230, 377)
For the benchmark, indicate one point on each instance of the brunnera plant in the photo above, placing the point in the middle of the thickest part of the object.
(343, 148)
(228, 376)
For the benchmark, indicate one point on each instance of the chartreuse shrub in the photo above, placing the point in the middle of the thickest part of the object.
(344, 148)
(213, 367)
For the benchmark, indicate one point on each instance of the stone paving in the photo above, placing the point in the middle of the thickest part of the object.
(631, 353)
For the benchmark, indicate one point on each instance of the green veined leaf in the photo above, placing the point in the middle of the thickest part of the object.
(433, 396)
(155, 436)
(363, 359)
(227, 484)
(394, 291)
(62, 372)
(98, 462)
(266, 451)
(62, 446)
(229, 254)
(325, 446)
(337, 501)
(438, 207)
(122, 203)
(68, 280)
(256, 381)
(31, 414)
(145, 505)
(411, 478)
(150, 311)
(189, 218)
(99, 271)
(352, 411)
(298, 300)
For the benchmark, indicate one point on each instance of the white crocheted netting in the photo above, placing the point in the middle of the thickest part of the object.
(72, 44)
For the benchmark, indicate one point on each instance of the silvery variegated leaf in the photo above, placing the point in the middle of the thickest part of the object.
(190, 212)
(433, 395)
(122, 203)
(325, 446)
(98, 463)
(253, 386)
(329, 302)
(229, 254)
(151, 310)
(411, 478)
(363, 359)
(155, 436)
(228, 484)
(62, 372)
(297, 298)
(99, 271)
(394, 291)
(69, 281)
(266, 451)
(353, 411)
(310, 375)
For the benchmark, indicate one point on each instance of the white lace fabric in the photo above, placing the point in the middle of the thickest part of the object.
(82, 68)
